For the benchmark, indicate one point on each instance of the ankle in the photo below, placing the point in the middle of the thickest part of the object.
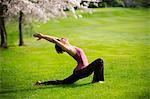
(97, 81)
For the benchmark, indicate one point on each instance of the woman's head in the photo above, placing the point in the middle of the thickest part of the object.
(58, 48)
(64, 40)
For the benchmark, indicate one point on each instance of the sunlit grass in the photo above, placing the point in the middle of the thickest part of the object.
(119, 36)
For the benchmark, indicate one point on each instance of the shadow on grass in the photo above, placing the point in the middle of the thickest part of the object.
(44, 87)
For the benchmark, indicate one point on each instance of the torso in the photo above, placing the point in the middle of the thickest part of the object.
(81, 59)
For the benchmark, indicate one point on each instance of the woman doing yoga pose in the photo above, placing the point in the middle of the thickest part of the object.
(83, 68)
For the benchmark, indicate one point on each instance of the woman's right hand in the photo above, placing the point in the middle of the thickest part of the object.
(38, 35)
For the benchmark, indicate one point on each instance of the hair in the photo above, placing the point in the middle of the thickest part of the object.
(59, 50)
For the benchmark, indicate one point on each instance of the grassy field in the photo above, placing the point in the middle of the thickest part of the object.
(120, 36)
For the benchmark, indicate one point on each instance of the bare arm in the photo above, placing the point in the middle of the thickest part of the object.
(56, 41)
(68, 48)
(46, 37)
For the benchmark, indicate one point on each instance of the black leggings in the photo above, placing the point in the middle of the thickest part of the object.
(96, 66)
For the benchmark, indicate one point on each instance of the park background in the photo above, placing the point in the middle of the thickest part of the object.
(119, 34)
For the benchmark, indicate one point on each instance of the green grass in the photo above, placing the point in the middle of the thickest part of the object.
(120, 36)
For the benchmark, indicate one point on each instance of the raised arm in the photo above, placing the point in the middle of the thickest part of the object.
(46, 37)
(66, 47)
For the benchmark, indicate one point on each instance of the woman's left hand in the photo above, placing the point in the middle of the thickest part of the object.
(38, 35)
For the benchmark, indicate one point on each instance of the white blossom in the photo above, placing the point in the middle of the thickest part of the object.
(43, 10)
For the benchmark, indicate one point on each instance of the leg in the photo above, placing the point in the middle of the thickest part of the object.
(99, 71)
(51, 82)
(71, 79)
(96, 66)
(68, 80)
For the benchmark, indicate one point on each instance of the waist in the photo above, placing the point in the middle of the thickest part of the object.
(80, 66)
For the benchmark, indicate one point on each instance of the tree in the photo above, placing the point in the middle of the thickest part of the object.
(38, 10)
(3, 10)
(135, 3)
(20, 29)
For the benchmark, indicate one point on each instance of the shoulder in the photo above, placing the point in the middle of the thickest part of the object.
(78, 49)
(72, 50)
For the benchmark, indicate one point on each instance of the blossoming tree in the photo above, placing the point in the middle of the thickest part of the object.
(40, 10)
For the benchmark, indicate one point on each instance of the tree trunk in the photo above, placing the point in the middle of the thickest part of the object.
(3, 34)
(2, 27)
(21, 43)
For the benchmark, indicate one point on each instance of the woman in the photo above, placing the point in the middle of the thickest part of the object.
(82, 70)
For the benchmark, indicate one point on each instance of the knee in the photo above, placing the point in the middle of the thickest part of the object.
(99, 60)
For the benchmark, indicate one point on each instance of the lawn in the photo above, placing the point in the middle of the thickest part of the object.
(119, 36)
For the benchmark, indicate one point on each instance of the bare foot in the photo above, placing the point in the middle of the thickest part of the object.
(97, 81)
(37, 83)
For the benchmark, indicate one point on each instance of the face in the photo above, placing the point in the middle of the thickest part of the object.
(64, 40)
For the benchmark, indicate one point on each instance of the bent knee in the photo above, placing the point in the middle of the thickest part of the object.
(99, 60)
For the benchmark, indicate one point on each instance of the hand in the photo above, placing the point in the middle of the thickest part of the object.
(38, 35)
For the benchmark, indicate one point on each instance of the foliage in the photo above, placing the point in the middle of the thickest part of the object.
(42, 10)
(137, 3)
(125, 3)
(113, 3)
